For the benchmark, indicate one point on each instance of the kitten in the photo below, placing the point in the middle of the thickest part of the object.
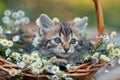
(63, 39)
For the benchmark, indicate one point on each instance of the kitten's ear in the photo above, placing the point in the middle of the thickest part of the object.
(81, 24)
(44, 23)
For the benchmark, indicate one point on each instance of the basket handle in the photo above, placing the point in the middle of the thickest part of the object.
(100, 20)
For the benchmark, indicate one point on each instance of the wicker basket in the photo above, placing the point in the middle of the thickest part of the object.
(84, 71)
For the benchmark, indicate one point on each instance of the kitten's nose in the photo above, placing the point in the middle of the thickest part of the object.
(66, 49)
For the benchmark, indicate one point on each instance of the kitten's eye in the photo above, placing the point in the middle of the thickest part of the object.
(57, 40)
(73, 41)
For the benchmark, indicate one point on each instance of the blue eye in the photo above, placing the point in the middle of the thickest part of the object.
(73, 41)
(57, 40)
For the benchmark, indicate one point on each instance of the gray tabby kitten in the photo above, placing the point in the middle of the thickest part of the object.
(63, 39)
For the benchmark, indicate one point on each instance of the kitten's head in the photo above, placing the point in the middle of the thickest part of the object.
(60, 38)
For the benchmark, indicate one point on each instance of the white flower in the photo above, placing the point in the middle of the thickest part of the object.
(35, 71)
(1, 30)
(110, 46)
(21, 64)
(105, 58)
(25, 57)
(102, 57)
(68, 78)
(39, 63)
(15, 15)
(13, 72)
(41, 70)
(86, 57)
(46, 68)
(16, 55)
(7, 52)
(45, 62)
(34, 65)
(53, 59)
(35, 41)
(9, 59)
(72, 68)
(77, 19)
(6, 20)
(113, 34)
(96, 55)
(4, 42)
(21, 13)
(106, 38)
(61, 74)
(56, 20)
(7, 12)
(30, 59)
(68, 66)
(55, 69)
(35, 55)
(25, 20)
(9, 43)
(15, 38)
(55, 77)
(111, 54)
(117, 51)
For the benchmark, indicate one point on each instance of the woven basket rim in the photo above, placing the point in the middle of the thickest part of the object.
(80, 70)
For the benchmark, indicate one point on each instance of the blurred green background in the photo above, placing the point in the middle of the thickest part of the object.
(66, 10)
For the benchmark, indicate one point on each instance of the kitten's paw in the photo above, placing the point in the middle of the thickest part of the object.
(61, 61)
